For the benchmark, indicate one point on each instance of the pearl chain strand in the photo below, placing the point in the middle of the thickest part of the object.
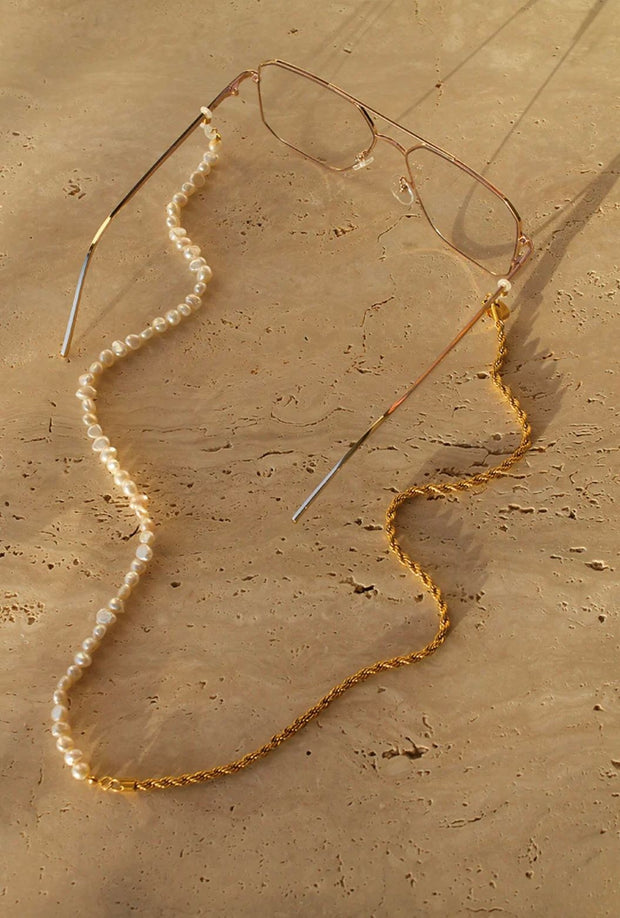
(87, 394)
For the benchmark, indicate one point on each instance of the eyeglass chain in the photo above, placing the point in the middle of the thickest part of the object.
(138, 502)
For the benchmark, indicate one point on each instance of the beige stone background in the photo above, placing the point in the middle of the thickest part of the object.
(326, 301)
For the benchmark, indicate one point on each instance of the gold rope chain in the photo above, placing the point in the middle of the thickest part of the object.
(498, 313)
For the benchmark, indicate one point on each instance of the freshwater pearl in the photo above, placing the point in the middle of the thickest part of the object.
(133, 342)
(193, 300)
(184, 309)
(144, 552)
(197, 179)
(105, 617)
(200, 288)
(147, 333)
(99, 632)
(172, 221)
(188, 188)
(119, 348)
(182, 242)
(82, 658)
(86, 379)
(95, 368)
(205, 274)
(89, 418)
(80, 771)
(59, 696)
(138, 566)
(64, 743)
(173, 317)
(86, 392)
(100, 443)
(59, 712)
(75, 672)
(110, 452)
(138, 501)
(107, 357)
(147, 538)
(130, 488)
(173, 208)
(64, 683)
(211, 157)
(112, 465)
(73, 755)
(177, 231)
(116, 605)
(124, 592)
(89, 644)
(60, 728)
(204, 168)
(94, 431)
(197, 264)
(180, 198)
(190, 252)
(88, 404)
(131, 578)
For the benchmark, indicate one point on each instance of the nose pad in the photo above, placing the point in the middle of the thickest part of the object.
(403, 191)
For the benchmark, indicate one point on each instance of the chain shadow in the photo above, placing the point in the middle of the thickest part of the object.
(542, 379)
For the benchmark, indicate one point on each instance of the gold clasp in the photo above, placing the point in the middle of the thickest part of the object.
(117, 785)
(497, 308)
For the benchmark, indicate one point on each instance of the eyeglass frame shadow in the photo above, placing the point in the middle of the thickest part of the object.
(521, 240)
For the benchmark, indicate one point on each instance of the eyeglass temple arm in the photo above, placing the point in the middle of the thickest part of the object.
(231, 90)
(502, 287)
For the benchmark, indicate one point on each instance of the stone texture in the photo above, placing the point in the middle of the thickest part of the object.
(484, 779)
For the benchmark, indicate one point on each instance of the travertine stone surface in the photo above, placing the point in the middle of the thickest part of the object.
(486, 779)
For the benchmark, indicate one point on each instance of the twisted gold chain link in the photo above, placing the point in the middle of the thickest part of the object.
(498, 312)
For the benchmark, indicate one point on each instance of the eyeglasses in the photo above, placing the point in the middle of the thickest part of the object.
(339, 132)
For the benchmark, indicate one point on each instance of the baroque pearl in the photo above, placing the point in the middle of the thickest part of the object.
(80, 771)
(144, 552)
(119, 348)
(105, 617)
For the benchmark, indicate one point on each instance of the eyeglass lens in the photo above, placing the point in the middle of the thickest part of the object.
(312, 118)
(320, 123)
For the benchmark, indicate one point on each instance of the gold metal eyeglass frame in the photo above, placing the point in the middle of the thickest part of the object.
(522, 249)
